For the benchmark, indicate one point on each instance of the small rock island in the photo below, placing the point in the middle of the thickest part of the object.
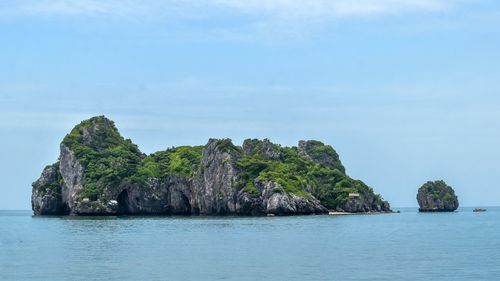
(437, 196)
(101, 173)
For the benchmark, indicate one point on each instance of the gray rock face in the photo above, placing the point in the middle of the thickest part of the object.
(265, 148)
(95, 136)
(216, 188)
(46, 195)
(437, 196)
(322, 154)
(365, 204)
(218, 192)
(157, 197)
(72, 173)
(279, 202)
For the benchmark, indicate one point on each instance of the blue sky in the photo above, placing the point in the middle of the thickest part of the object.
(406, 91)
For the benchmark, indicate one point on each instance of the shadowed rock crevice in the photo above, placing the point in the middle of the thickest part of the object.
(123, 202)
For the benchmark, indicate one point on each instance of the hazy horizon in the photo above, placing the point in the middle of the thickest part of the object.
(405, 91)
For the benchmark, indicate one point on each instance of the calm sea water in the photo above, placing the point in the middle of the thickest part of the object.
(406, 246)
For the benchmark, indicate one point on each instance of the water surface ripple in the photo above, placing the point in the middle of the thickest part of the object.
(406, 246)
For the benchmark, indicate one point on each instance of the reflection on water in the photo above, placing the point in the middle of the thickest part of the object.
(406, 246)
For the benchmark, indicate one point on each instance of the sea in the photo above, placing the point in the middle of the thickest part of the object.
(456, 246)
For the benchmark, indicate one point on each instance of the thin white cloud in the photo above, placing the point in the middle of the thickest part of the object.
(271, 17)
(295, 18)
(263, 8)
(332, 8)
(73, 8)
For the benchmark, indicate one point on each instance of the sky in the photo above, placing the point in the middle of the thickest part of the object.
(406, 91)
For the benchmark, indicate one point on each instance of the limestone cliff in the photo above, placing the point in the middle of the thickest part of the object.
(437, 196)
(101, 173)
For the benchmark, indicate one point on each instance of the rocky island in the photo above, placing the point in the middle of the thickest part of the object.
(101, 173)
(437, 196)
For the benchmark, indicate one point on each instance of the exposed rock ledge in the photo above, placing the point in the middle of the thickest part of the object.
(101, 173)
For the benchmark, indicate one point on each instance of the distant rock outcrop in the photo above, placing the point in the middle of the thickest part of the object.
(101, 173)
(437, 196)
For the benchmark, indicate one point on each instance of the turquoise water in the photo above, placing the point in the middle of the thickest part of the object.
(406, 246)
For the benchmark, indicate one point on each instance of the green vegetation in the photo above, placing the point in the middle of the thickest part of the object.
(107, 157)
(448, 197)
(226, 145)
(323, 154)
(53, 182)
(252, 189)
(253, 146)
(109, 160)
(439, 189)
(299, 175)
(182, 161)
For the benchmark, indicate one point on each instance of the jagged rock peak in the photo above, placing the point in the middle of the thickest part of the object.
(97, 133)
(222, 145)
(320, 153)
(264, 148)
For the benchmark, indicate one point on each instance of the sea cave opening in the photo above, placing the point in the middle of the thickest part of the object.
(123, 203)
